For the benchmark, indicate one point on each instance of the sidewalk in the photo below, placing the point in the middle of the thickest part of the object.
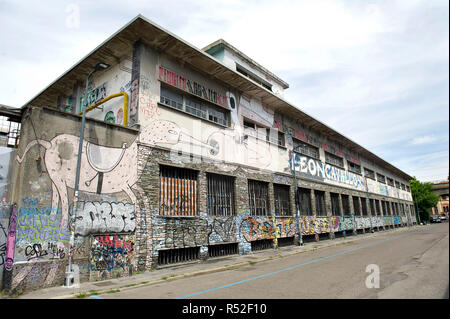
(178, 271)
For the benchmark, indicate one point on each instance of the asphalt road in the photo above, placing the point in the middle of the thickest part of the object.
(411, 264)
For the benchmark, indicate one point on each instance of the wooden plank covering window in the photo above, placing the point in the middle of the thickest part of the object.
(177, 191)
(258, 195)
(220, 195)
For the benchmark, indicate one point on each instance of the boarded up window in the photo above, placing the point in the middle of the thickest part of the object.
(281, 198)
(178, 191)
(304, 197)
(258, 196)
(220, 194)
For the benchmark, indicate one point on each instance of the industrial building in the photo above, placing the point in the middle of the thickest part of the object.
(187, 154)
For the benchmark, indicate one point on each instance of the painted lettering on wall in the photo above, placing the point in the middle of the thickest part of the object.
(104, 217)
(317, 169)
(191, 86)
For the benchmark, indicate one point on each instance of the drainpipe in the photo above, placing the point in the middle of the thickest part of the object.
(296, 198)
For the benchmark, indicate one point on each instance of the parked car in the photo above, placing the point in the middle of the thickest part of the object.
(435, 219)
(443, 218)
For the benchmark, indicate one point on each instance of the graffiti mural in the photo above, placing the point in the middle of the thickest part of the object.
(363, 222)
(321, 225)
(104, 217)
(346, 223)
(111, 254)
(104, 170)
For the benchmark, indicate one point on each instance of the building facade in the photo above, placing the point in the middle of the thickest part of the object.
(188, 154)
(441, 189)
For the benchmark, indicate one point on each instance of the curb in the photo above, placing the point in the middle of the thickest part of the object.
(303, 249)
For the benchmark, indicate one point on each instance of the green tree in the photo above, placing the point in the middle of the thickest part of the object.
(424, 198)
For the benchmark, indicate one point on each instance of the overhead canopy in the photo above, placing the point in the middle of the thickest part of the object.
(140, 28)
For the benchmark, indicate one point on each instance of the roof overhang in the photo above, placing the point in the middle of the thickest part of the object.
(161, 40)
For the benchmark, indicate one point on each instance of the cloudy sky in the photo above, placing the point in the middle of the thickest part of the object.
(375, 71)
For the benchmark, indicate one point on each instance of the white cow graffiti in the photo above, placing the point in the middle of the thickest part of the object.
(103, 169)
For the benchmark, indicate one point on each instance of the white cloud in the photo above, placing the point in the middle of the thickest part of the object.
(423, 140)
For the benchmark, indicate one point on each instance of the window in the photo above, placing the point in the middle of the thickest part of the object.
(408, 189)
(397, 184)
(390, 181)
(364, 206)
(356, 206)
(177, 191)
(355, 168)
(403, 187)
(194, 106)
(369, 173)
(383, 207)
(381, 178)
(253, 77)
(304, 196)
(335, 208)
(372, 207)
(281, 199)
(9, 132)
(377, 206)
(220, 194)
(334, 160)
(258, 196)
(388, 208)
(320, 203)
(305, 149)
(345, 205)
(263, 133)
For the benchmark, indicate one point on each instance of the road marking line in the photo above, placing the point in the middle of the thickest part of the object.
(295, 266)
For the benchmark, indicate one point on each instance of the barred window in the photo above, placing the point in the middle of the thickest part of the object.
(383, 207)
(320, 203)
(334, 160)
(397, 184)
(364, 206)
(335, 209)
(281, 199)
(377, 206)
(304, 196)
(403, 187)
(178, 191)
(388, 208)
(345, 204)
(220, 194)
(305, 149)
(372, 206)
(258, 195)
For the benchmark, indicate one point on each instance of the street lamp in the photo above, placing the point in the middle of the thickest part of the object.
(69, 272)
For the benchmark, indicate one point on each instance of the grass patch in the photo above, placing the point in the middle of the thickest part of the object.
(164, 278)
(129, 285)
(251, 262)
(112, 291)
(144, 282)
(81, 295)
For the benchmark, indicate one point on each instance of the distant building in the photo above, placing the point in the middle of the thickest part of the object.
(441, 189)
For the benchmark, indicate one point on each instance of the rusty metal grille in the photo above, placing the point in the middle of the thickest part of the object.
(173, 256)
(285, 241)
(178, 191)
(281, 198)
(220, 195)
(222, 250)
(258, 195)
(261, 244)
